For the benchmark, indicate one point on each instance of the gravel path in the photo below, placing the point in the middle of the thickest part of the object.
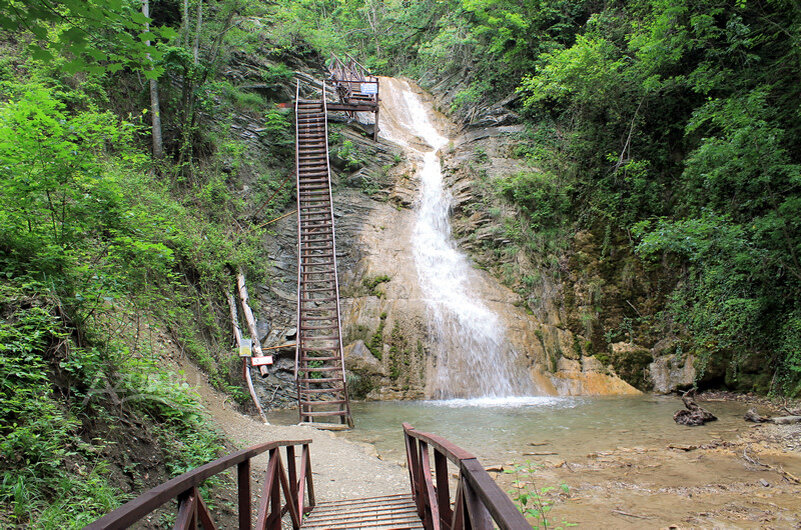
(341, 469)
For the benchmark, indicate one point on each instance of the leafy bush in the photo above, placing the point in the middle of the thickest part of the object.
(541, 195)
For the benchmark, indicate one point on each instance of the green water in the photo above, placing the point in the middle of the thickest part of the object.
(501, 430)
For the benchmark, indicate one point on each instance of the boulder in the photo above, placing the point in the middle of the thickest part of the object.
(591, 364)
(567, 365)
(669, 373)
(359, 359)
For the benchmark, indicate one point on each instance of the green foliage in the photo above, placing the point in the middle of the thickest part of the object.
(278, 126)
(532, 501)
(588, 71)
(92, 240)
(718, 301)
(350, 154)
(35, 431)
(373, 282)
(359, 385)
(277, 74)
(96, 35)
(675, 122)
(42, 447)
(53, 185)
(790, 352)
(376, 344)
(540, 195)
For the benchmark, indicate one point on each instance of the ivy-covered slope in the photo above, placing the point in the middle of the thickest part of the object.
(111, 258)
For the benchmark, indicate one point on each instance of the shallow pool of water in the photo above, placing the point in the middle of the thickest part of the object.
(503, 430)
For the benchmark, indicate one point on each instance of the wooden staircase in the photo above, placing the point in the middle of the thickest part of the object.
(319, 361)
(377, 513)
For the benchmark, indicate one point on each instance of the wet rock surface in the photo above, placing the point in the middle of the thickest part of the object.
(747, 479)
(385, 314)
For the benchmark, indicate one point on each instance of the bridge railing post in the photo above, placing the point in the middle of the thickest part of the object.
(192, 510)
(243, 494)
(479, 504)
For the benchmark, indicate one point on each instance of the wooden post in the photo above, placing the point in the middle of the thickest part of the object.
(245, 367)
(243, 489)
(375, 130)
(377, 107)
(251, 322)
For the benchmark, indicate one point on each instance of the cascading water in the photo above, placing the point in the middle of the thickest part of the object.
(473, 359)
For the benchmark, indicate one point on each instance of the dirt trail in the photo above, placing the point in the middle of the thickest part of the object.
(341, 469)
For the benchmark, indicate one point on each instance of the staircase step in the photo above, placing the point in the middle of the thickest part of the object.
(319, 328)
(320, 380)
(305, 181)
(319, 290)
(304, 300)
(325, 413)
(321, 390)
(306, 340)
(314, 403)
(323, 359)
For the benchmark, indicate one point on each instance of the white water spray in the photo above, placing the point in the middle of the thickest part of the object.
(473, 358)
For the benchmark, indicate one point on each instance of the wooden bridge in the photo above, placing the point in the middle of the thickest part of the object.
(319, 359)
(435, 501)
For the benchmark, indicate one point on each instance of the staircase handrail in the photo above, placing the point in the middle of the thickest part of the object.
(479, 500)
(192, 509)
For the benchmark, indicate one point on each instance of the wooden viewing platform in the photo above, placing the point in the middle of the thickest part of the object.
(287, 499)
(357, 88)
(389, 511)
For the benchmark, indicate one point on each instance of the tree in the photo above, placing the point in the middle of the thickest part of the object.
(155, 105)
(95, 35)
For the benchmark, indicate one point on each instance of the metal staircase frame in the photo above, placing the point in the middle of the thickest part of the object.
(325, 396)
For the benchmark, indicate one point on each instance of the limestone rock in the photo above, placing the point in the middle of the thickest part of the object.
(574, 378)
(669, 373)
(567, 365)
(590, 384)
(358, 358)
(591, 364)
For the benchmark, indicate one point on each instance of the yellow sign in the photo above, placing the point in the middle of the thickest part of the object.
(245, 348)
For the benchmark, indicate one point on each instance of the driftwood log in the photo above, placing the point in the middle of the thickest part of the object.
(693, 414)
(249, 320)
(753, 416)
(245, 364)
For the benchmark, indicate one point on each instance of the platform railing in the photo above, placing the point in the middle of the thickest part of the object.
(479, 503)
(297, 488)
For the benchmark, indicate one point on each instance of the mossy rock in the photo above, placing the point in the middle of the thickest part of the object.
(630, 362)
(359, 385)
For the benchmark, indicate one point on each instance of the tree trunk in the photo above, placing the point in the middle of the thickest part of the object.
(185, 23)
(753, 416)
(155, 111)
(198, 26)
(155, 106)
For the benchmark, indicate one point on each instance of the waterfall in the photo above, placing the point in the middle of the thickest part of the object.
(473, 359)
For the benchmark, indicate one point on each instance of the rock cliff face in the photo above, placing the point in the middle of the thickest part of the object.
(479, 155)
(564, 325)
(583, 286)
